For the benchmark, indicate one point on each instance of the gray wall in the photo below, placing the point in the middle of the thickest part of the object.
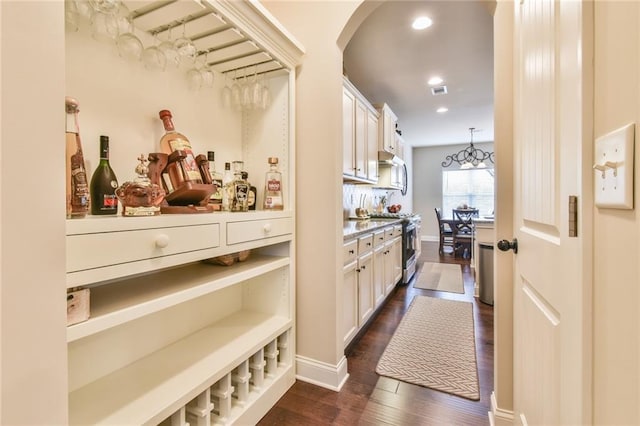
(427, 182)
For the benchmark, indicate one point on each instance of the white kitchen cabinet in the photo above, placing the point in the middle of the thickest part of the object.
(365, 279)
(172, 337)
(393, 260)
(350, 292)
(379, 255)
(360, 135)
(387, 129)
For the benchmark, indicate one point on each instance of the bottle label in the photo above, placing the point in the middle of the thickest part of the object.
(109, 202)
(273, 185)
(191, 167)
(216, 197)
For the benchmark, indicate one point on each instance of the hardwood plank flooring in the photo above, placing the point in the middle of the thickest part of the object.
(369, 399)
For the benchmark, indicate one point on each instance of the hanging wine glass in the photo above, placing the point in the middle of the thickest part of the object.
(185, 47)
(169, 49)
(246, 94)
(256, 91)
(154, 58)
(104, 25)
(105, 6)
(236, 99)
(207, 72)
(266, 96)
(129, 45)
(226, 93)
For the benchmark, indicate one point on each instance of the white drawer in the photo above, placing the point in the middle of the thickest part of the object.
(365, 244)
(89, 251)
(350, 251)
(397, 230)
(241, 232)
(378, 238)
(389, 233)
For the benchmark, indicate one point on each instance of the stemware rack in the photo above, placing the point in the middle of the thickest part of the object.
(228, 49)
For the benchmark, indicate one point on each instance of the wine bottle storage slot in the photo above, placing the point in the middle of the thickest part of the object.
(223, 401)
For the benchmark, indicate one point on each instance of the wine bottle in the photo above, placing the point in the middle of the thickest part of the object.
(104, 184)
(76, 174)
(252, 194)
(227, 188)
(273, 187)
(174, 141)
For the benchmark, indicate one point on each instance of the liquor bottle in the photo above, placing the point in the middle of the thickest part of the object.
(251, 195)
(273, 187)
(238, 201)
(227, 189)
(174, 141)
(216, 178)
(78, 197)
(104, 184)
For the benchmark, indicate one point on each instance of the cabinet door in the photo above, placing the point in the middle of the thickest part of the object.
(389, 267)
(360, 143)
(372, 146)
(397, 260)
(350, 302)
(378, 274)
(387, 128)
(348, 132)
(365, 288)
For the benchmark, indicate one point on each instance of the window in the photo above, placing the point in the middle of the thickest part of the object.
(473, 187)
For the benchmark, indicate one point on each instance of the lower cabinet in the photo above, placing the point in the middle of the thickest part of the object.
(372, 267)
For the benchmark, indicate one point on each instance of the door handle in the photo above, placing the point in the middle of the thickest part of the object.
(505, 245)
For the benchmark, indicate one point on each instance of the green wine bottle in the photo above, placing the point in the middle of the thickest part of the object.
(103, 184)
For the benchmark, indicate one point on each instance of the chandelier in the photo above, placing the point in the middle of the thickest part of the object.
(469, 157)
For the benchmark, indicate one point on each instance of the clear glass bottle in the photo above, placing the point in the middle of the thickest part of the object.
(104, 184)
(227, 189)
(174, 141)
(273, 187)
(78, 198)
(240, 190)
(216, 178)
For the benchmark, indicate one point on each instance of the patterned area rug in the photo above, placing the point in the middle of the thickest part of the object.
(434, 346)
(440, 277)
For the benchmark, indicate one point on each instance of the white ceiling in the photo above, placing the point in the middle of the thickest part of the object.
(390, 62)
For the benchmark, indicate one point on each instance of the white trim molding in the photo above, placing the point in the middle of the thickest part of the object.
(321, 374)
(498, 416)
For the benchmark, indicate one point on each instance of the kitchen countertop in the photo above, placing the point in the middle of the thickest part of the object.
(355, 227)
(483, 222)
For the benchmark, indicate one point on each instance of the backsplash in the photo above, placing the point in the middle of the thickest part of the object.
(365, 196)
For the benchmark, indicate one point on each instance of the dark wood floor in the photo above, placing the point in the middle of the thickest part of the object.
(369, 399)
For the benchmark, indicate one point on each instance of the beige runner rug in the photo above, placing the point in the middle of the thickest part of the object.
(440, 277)
(434, 346)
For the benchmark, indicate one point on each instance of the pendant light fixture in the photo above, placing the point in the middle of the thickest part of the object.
(469, 157)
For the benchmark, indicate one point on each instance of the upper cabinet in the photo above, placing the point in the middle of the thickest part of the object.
(360, 136)
(387, 130)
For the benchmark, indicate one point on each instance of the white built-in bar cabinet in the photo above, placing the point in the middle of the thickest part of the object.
(172, 339)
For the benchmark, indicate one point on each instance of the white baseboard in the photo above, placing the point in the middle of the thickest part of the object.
(430, 238)
(498, 416)
(321, 374)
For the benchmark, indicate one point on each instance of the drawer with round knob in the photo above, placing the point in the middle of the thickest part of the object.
(251, 230)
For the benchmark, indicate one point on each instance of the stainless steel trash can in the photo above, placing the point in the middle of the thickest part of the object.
(485, 263)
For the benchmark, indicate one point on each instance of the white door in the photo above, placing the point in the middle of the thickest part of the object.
(552, 279)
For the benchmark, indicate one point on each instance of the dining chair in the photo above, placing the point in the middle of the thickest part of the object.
(446, 233)
(463, 231)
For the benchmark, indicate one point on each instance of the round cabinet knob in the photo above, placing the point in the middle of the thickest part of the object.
(267, 228)
(162, 240)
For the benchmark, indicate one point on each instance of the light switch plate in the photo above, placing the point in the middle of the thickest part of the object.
(613, 169)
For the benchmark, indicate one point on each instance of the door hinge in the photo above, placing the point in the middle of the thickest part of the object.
(573, 216)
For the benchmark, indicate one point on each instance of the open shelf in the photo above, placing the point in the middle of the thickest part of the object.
(144, 392)
(118, 303)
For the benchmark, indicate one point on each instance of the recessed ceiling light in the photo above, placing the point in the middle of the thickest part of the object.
(442, 110)
(434, 81)
(421, 23)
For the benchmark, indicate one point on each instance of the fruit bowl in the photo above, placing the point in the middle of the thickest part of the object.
(394, 208)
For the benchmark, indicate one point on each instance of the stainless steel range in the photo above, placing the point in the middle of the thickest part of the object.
(410, 241)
